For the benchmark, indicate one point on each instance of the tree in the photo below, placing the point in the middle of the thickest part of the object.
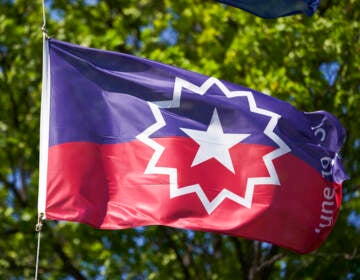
(311, 62)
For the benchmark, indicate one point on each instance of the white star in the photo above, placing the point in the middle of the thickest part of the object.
(214, 143)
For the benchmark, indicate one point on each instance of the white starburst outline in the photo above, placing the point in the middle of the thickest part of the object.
(175, 191)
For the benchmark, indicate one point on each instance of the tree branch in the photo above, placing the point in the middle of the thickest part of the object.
(11, 94)
(11, 186)
(67, 264)
(180, 259)
(244, 261)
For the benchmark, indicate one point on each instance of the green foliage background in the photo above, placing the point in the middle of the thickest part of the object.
(281, 57)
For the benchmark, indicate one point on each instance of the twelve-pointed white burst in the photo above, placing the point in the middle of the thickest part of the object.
(214, 143)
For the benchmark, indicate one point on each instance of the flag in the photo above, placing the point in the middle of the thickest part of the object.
(275, 8)
(133, 142)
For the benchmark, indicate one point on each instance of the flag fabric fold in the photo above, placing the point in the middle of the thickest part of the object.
(275, 8)
(134, 142)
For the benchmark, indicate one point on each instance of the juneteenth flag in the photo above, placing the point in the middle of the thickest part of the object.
(275, 8)
(128, 142)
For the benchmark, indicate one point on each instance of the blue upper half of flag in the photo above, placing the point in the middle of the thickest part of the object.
(106, 98)
(275, 8)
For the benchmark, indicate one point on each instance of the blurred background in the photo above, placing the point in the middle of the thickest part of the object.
(311, 62)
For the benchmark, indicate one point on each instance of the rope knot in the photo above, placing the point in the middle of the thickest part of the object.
(39, 224)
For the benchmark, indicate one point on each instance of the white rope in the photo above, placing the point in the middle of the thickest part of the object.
(37, 256)
(38, 228)
(43, 28)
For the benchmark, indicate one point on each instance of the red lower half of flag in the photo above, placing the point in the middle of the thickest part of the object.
(116, 186)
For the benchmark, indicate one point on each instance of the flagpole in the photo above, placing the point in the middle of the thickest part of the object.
(44, 125)
(44, 136)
